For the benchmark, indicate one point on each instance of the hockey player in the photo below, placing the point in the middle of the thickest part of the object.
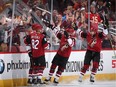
(38, 43)
(62, 55)
(94, 42)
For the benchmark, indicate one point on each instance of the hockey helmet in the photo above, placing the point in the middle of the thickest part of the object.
(37, 27)
(70, 31)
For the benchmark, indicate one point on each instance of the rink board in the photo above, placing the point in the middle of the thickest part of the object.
(14, 67)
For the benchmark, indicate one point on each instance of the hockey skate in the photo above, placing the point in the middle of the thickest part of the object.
(80, 78)
(36, 80)
(92, 78)
(29, 82)
(47, 80)
(55, 82)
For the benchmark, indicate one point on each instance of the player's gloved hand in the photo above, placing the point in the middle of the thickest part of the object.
(66, 34)
(105, 27)
(30, 54)
(45, 34)
(49, 45)
(51, 26)
(74, 26)
(28, 40)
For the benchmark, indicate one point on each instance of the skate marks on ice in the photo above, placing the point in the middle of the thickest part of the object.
(76, 84)
(53, 85)
(96, 84)
(87, 84)
(60, 85)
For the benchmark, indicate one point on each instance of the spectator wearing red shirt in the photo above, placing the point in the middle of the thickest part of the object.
(94, 16)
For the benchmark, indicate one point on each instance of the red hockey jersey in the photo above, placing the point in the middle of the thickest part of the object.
(38, 43)
(98, 38)
(66, 52)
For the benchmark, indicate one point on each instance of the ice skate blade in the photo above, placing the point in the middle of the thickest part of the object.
(80, 82)
(41, 85)
(92, 83)
(30, 85)
(47, 83)
(54, 84)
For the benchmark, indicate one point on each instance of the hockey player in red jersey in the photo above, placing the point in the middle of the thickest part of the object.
(61, 58)
(94, 42)
(38, 43)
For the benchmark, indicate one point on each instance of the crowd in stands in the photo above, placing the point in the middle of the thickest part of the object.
(65, 14)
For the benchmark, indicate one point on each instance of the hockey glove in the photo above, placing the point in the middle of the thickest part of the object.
(30, 54)
(49, 45)
(28, 39)
(51, 26)
(66, 34)
(74, 26)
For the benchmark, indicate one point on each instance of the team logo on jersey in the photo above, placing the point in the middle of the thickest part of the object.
(2, 66)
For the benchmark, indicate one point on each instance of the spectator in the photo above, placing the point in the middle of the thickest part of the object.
(106, 43)
(3, 47)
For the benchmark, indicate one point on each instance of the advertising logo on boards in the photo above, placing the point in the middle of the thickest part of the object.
(2, 66)
(113, 61)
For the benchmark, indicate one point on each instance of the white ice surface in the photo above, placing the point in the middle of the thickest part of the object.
(83, 84)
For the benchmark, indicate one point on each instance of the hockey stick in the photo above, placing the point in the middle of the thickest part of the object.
(113, 48)
(104, 24)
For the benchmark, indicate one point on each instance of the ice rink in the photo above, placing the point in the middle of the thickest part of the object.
(84, 84)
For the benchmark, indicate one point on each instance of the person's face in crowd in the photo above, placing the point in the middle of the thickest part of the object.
(83, 11)
(59, 17)
(70, 17)
(36, 2)
(67, 12)
(69, 8)
(83, 3)
(100, 3)
(55, 13)
(39, 13)
(93, 9)
(77, 14)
